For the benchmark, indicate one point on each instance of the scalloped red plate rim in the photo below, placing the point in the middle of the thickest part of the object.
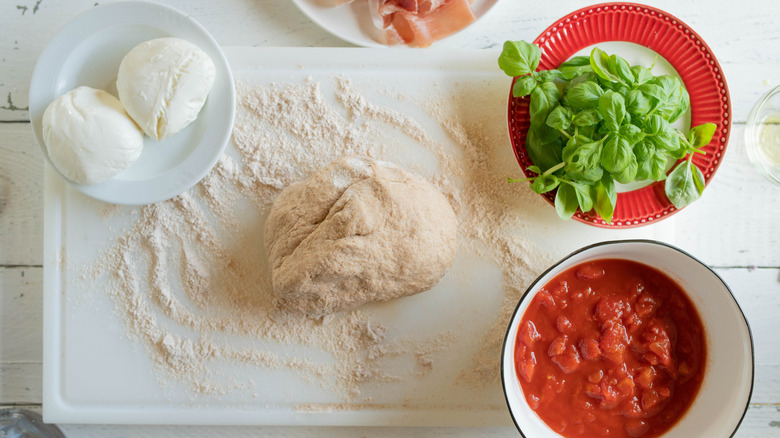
(650, 202)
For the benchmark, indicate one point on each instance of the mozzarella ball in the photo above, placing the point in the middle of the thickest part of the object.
(163, 84)
(89, 136)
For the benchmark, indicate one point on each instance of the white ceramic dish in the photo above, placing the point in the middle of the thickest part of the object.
(728, 382)
(352, 22)
(762, 135)
(88, 50)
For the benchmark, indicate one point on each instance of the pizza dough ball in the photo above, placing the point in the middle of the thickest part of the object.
(89, 136)
(163, 84)
(355, 232)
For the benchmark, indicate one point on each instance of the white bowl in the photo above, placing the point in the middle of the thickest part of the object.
(88, 50)
(725, 392)
(762, 135)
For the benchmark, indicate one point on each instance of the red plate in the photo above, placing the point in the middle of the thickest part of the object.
(670, 38)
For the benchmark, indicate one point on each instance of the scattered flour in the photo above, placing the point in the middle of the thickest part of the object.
(190, 279)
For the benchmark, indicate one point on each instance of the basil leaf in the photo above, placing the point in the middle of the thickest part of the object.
(616, 154)
(519, 58)
(587, 117)
(663, 135)
(641, 74)
(612, 107)
(577, 61)
(575, 67)
(549, 75)
(702, 135)
(584, 95)
(539, 107)
(658, 166)
(535, 169)
(582, 191)
(672, 104)
(682, 106)
(586, 175)
(547, 134)
(559, 118)
(644, 152)
(605, 197)
(545, 183)
(581, 155)
(655, 91)
(637, 103)
(623, 70)
(628, 173)
(566, 202)
(651, 161)
(524, 85)
(631, 133)
(599, 62)
(588, 131)
(682, 187)
(698, 179)
(543, 154)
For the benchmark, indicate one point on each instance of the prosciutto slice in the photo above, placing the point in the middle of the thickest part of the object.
(420, 22)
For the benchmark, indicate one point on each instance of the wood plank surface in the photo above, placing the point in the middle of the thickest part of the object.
(733, 228)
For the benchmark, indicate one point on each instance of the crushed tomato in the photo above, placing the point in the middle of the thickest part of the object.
(610, 348)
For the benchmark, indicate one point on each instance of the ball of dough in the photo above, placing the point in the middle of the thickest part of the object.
(355, 232)
(89, 136)
(163, 84)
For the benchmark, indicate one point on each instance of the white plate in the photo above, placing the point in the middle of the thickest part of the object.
(352, 22)
(88, 50)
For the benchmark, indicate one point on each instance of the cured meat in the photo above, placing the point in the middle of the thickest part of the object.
(419, 22)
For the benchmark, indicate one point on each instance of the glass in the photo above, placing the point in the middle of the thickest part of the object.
(21, 423)
(762, 135)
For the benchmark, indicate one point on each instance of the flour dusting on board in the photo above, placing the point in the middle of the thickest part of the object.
(190, 275)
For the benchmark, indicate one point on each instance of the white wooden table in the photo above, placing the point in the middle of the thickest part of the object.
(734, 228)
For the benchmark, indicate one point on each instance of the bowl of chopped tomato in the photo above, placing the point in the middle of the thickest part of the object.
(633, 338)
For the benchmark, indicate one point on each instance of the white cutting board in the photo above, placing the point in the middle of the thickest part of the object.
(94, 373)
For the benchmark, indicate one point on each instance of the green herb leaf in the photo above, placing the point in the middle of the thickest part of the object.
(623, 70)
(599, 62)
(631, 133)
(519, 58)
(637, 103)
(543, 99)
(566, 201)
(548, 75)
(616, 154)
(684, 184)
(702, 135)
(584, 95)
(545, 183)
(612, 107)
(605, 197)
(628, 173)
(641, 74)
(582, 191)
(663, 135)
(524, 85)
(575, 67)
(543, 154)
(588, 117)
(673, 101)
(559, 118)
(581, 154)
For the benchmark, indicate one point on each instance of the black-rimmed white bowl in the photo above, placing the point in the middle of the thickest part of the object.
(723, 398)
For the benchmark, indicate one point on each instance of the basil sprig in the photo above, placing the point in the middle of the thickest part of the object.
(595, 121)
